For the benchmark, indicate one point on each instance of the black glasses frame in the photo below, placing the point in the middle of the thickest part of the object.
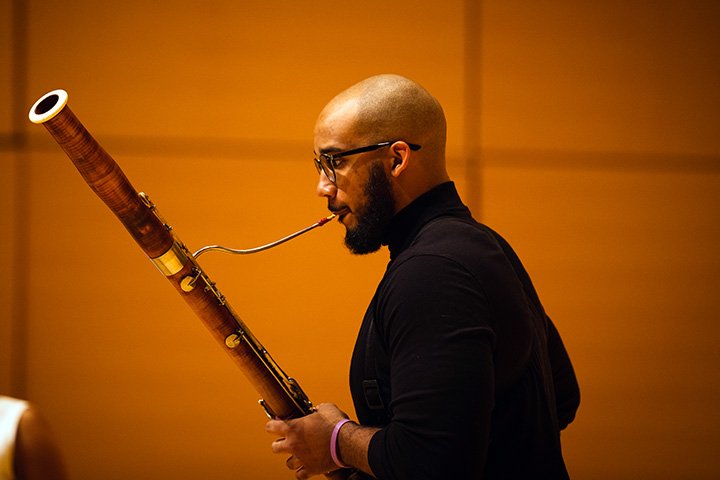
(328, 162)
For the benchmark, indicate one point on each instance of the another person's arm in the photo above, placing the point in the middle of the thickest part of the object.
(37, 456)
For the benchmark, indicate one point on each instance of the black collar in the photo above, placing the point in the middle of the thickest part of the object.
(442, 200)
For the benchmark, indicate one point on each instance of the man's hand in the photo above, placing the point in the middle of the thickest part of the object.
(307, 440)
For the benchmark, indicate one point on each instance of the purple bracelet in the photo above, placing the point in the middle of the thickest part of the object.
(334, 442)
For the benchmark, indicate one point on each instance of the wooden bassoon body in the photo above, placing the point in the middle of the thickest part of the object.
(281, 396)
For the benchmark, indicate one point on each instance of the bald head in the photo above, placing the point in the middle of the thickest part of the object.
(391, 107)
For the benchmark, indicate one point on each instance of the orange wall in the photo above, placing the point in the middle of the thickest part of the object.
(599, 159)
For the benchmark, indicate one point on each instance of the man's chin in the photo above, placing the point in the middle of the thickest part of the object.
(362, 249)
(360, 244)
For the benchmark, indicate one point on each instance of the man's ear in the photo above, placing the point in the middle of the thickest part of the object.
(400, 158)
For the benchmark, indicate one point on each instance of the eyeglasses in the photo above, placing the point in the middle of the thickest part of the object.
(328, 162)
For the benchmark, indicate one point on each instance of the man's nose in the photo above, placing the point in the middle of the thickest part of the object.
(325, 188)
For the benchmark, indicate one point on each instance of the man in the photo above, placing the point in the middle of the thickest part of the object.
(457, 371)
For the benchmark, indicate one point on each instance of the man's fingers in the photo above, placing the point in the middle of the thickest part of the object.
(276, 427)
(301, 474)
(280, 446)
(293, 463)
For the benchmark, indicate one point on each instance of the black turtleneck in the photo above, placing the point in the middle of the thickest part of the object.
(456, 360)
(443, 200)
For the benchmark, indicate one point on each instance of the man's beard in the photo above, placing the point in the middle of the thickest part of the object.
(374, 218)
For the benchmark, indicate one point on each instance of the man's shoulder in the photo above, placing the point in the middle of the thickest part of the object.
(453, 238)
(460, 248)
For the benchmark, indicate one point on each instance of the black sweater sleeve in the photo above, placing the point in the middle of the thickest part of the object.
(567, 392)
(435, 325)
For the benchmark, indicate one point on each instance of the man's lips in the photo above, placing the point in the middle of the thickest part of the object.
(340, 212)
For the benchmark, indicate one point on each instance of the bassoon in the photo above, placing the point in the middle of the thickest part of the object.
(281, 395)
